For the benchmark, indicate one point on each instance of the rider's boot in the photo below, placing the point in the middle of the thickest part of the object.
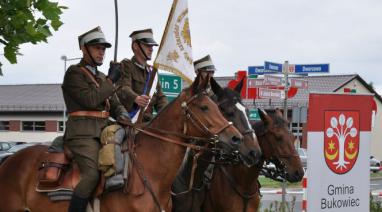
(78, 204)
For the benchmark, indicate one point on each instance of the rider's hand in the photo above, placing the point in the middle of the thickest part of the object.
(142, 100)
(124, 119)
(114, 71)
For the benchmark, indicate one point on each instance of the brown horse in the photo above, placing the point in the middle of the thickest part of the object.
(191, 115)
(235, 187)
(229, 102)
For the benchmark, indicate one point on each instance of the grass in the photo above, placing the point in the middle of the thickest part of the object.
(269, 183)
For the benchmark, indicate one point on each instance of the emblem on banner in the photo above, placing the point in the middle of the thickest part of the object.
(341, 140)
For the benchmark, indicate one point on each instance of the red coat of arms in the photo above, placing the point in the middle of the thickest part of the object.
(341, 140)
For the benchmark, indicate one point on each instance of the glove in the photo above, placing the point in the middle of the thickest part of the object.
(114, 71)
(124, 119)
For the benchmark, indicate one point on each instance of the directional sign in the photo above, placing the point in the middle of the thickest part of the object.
(256, 70)
(299, 83)
(270, 67)
(271, 93)
(171, 84)
(312, 68)
(254, 115)
(272, 80)
(252, 83)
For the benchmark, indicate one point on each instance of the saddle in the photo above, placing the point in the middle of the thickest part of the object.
(59, 173)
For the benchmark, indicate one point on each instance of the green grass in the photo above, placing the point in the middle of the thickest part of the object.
(269, 183)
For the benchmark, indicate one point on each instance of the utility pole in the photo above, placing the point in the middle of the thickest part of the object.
(286, 87)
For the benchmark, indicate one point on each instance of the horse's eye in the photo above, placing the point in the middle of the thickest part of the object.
(204, 108)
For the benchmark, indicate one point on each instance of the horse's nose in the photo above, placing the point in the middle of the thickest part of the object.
(256, 155)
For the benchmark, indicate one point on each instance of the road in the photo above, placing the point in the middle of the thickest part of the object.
(271, 196)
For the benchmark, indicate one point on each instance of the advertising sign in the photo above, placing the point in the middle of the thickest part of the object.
(266, 93)
(339, 133)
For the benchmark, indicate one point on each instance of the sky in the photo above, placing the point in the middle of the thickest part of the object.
(347, 34)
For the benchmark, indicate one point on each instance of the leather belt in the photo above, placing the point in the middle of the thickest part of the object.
(98, 114)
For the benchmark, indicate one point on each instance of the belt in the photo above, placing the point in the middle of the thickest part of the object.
(98, 114)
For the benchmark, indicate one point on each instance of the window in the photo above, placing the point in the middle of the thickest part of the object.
(60, 126)
(4, 125)
(33, 125)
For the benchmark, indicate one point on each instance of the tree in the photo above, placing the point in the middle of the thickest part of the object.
(26, 21)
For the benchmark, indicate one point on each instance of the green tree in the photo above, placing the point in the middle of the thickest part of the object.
(26, 21)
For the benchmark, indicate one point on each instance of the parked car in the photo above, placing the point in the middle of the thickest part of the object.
(4, 146)
(375, 164)
(4, 155)
(303, 156)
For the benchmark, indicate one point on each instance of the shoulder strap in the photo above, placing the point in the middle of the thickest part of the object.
(90, 75)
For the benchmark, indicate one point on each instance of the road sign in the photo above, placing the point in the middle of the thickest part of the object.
(270, 67)
(312, 68)
(252, 83)
(254, 115)
(299, 83)
(255, 70)
(271, 93)
(171, 84)
(272, 80)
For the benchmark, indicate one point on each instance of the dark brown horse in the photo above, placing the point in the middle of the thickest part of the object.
(156, 158)
(186, 199)
(235, 187)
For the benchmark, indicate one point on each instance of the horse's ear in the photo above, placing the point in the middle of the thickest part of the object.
(264, 116)
(239, 86)
(195, 85)
(216, 87)
(278, 113)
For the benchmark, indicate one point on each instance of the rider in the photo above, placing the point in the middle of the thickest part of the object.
(89, 98)
(206, 68)
(135, 77)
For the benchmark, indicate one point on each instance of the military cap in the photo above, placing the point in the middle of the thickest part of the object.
(205, 64)
(145, 36)
(92, 37)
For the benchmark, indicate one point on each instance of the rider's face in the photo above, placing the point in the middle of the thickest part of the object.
(147, 49)
(97, 51)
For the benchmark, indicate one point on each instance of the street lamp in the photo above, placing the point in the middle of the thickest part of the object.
(65, 58)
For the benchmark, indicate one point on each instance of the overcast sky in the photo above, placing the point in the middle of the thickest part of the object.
(237, 34)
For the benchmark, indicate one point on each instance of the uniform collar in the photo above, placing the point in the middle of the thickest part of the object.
(89, 67)
(134, 60)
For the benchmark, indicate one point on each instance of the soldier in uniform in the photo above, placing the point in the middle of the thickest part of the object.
(135, 76)
(206, 68)
(89, 98)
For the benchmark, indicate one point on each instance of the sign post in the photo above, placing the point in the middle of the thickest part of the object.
(339, 133)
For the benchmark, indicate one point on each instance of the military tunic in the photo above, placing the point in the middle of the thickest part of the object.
(132, 84)
(82, 132)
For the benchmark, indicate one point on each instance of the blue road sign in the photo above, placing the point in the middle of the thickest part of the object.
(252, 70)
(312, 68)
(271, 67)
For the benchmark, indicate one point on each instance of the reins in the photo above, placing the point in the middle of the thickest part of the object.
(189, 117)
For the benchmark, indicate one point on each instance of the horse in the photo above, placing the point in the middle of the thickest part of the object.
(235, 187)
(158, 151)
(189, 187)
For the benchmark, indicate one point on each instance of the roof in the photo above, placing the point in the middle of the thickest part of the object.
(31, 97)
(324, 83)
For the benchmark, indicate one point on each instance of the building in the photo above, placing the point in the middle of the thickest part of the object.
(36, 112)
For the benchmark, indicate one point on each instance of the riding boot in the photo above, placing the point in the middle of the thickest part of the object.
(78, 204)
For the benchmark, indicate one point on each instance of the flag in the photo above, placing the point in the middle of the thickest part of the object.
(175, 51)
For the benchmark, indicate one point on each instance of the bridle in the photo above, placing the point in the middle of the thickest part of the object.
(190, 119)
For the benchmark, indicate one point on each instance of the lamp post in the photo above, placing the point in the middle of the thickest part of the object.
(65, 59)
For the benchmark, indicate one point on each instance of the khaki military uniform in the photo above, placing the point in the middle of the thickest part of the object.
(132, 82)
(81, 94)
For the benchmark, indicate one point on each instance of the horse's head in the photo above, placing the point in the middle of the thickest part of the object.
(203, 117)
(277, 144)
(230, 105)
